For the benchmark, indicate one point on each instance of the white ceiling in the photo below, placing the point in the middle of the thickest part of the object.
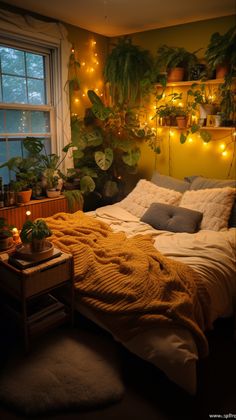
(120, 17)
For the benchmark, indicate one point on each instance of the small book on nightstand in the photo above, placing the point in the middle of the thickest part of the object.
(23, 264)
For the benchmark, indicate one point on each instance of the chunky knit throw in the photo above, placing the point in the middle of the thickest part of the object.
(129, 284)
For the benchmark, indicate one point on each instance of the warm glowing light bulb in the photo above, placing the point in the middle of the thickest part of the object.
(72, 50)
(83, 63)
(180, 104)
(224, 153)
(92, 69)
(97, 62)
(234, 133)
(154, 107)
(172, 133)
(28, 214)
(222, 146)
(96, 90)
(76, 100)
(101, 94)
(96, 54)
(83, 94)
(190, 140)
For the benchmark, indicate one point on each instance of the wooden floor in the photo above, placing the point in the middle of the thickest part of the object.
(149, 395)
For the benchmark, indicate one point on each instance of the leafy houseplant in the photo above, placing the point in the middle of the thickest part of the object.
(106, 143)
(6, 235)
(126, 68)
(169, 58)
(35, 234)
(221, 52)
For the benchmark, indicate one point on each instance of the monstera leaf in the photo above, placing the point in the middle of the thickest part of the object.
(87, 184)
(104, 159)
(131, 158)
(99, 109)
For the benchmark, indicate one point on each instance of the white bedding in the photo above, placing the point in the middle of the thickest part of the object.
(213, 255)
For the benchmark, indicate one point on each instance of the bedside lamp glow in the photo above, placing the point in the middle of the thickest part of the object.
(15, 235)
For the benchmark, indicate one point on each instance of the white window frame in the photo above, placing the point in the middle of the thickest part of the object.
(25, 29)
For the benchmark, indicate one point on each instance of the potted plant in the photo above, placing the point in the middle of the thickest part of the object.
(176, 61)
(35, 234)
(220, 53)
(182, 115)
(202, 98)
(126, 68)
(227, 103)
(6, 235)
(25, 176)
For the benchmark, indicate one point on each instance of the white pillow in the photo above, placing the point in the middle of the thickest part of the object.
(214, 203)
(144, 194)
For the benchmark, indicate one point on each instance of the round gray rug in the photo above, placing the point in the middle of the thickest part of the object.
(68, 370)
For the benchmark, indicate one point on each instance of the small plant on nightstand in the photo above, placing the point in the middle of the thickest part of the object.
(35, 234)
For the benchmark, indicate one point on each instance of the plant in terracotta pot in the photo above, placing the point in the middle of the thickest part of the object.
(220, 53)
(182, 115)
(35, 234)
(176, 61)
(25, 176)
(6, 235)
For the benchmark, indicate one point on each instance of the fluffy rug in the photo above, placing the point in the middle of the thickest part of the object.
(69, 370)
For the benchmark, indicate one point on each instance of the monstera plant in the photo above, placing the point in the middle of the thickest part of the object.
(105, 143)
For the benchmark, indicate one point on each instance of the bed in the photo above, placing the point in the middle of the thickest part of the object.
(190, 222)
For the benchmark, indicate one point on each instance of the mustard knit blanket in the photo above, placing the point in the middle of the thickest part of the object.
(129, 284)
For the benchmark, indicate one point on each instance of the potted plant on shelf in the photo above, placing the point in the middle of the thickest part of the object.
(176, 62)
(6, 235)
(35, 234)
(220, 53)
(25, 177)
(182, 115)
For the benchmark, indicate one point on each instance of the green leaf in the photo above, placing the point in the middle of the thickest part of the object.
(110, 189)
(183, 138)
(205, 135)
(78, 154)
(104, 160)
(33, 145)
(131, 158)
(87, 184)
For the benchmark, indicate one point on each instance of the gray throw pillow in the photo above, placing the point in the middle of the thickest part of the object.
(201, 183)
(172, 218)
(169, 182)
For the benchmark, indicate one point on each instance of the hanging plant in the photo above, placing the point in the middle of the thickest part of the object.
(126, 68)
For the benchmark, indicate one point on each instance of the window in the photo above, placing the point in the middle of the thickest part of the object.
(25, 100)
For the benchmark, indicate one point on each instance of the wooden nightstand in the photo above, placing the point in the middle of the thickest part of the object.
(23, 290)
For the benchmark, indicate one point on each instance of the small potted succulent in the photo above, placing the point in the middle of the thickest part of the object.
(35, 234)
(6, 235)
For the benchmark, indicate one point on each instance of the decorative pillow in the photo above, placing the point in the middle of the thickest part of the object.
(199, 183)
(144, 194)
(214, 203)
(166, 181)
(171, 218)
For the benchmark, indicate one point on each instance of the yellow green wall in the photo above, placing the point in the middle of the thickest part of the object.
(190, 158)
(175, 159)
(91, 51)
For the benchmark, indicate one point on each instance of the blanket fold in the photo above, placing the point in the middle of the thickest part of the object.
(128, 283)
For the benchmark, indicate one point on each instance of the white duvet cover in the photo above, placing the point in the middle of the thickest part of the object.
(213, 255)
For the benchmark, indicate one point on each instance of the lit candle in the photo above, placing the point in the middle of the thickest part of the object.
(15, 234)
(28, 214)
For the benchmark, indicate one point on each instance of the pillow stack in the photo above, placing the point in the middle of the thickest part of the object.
(167, 203)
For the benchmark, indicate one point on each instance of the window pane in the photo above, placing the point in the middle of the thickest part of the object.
(36, 92)
(40, 122)
(4, 173)
(35, 65)
(12, 61)
(17, 121)
(2, 129)
(14, 89)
